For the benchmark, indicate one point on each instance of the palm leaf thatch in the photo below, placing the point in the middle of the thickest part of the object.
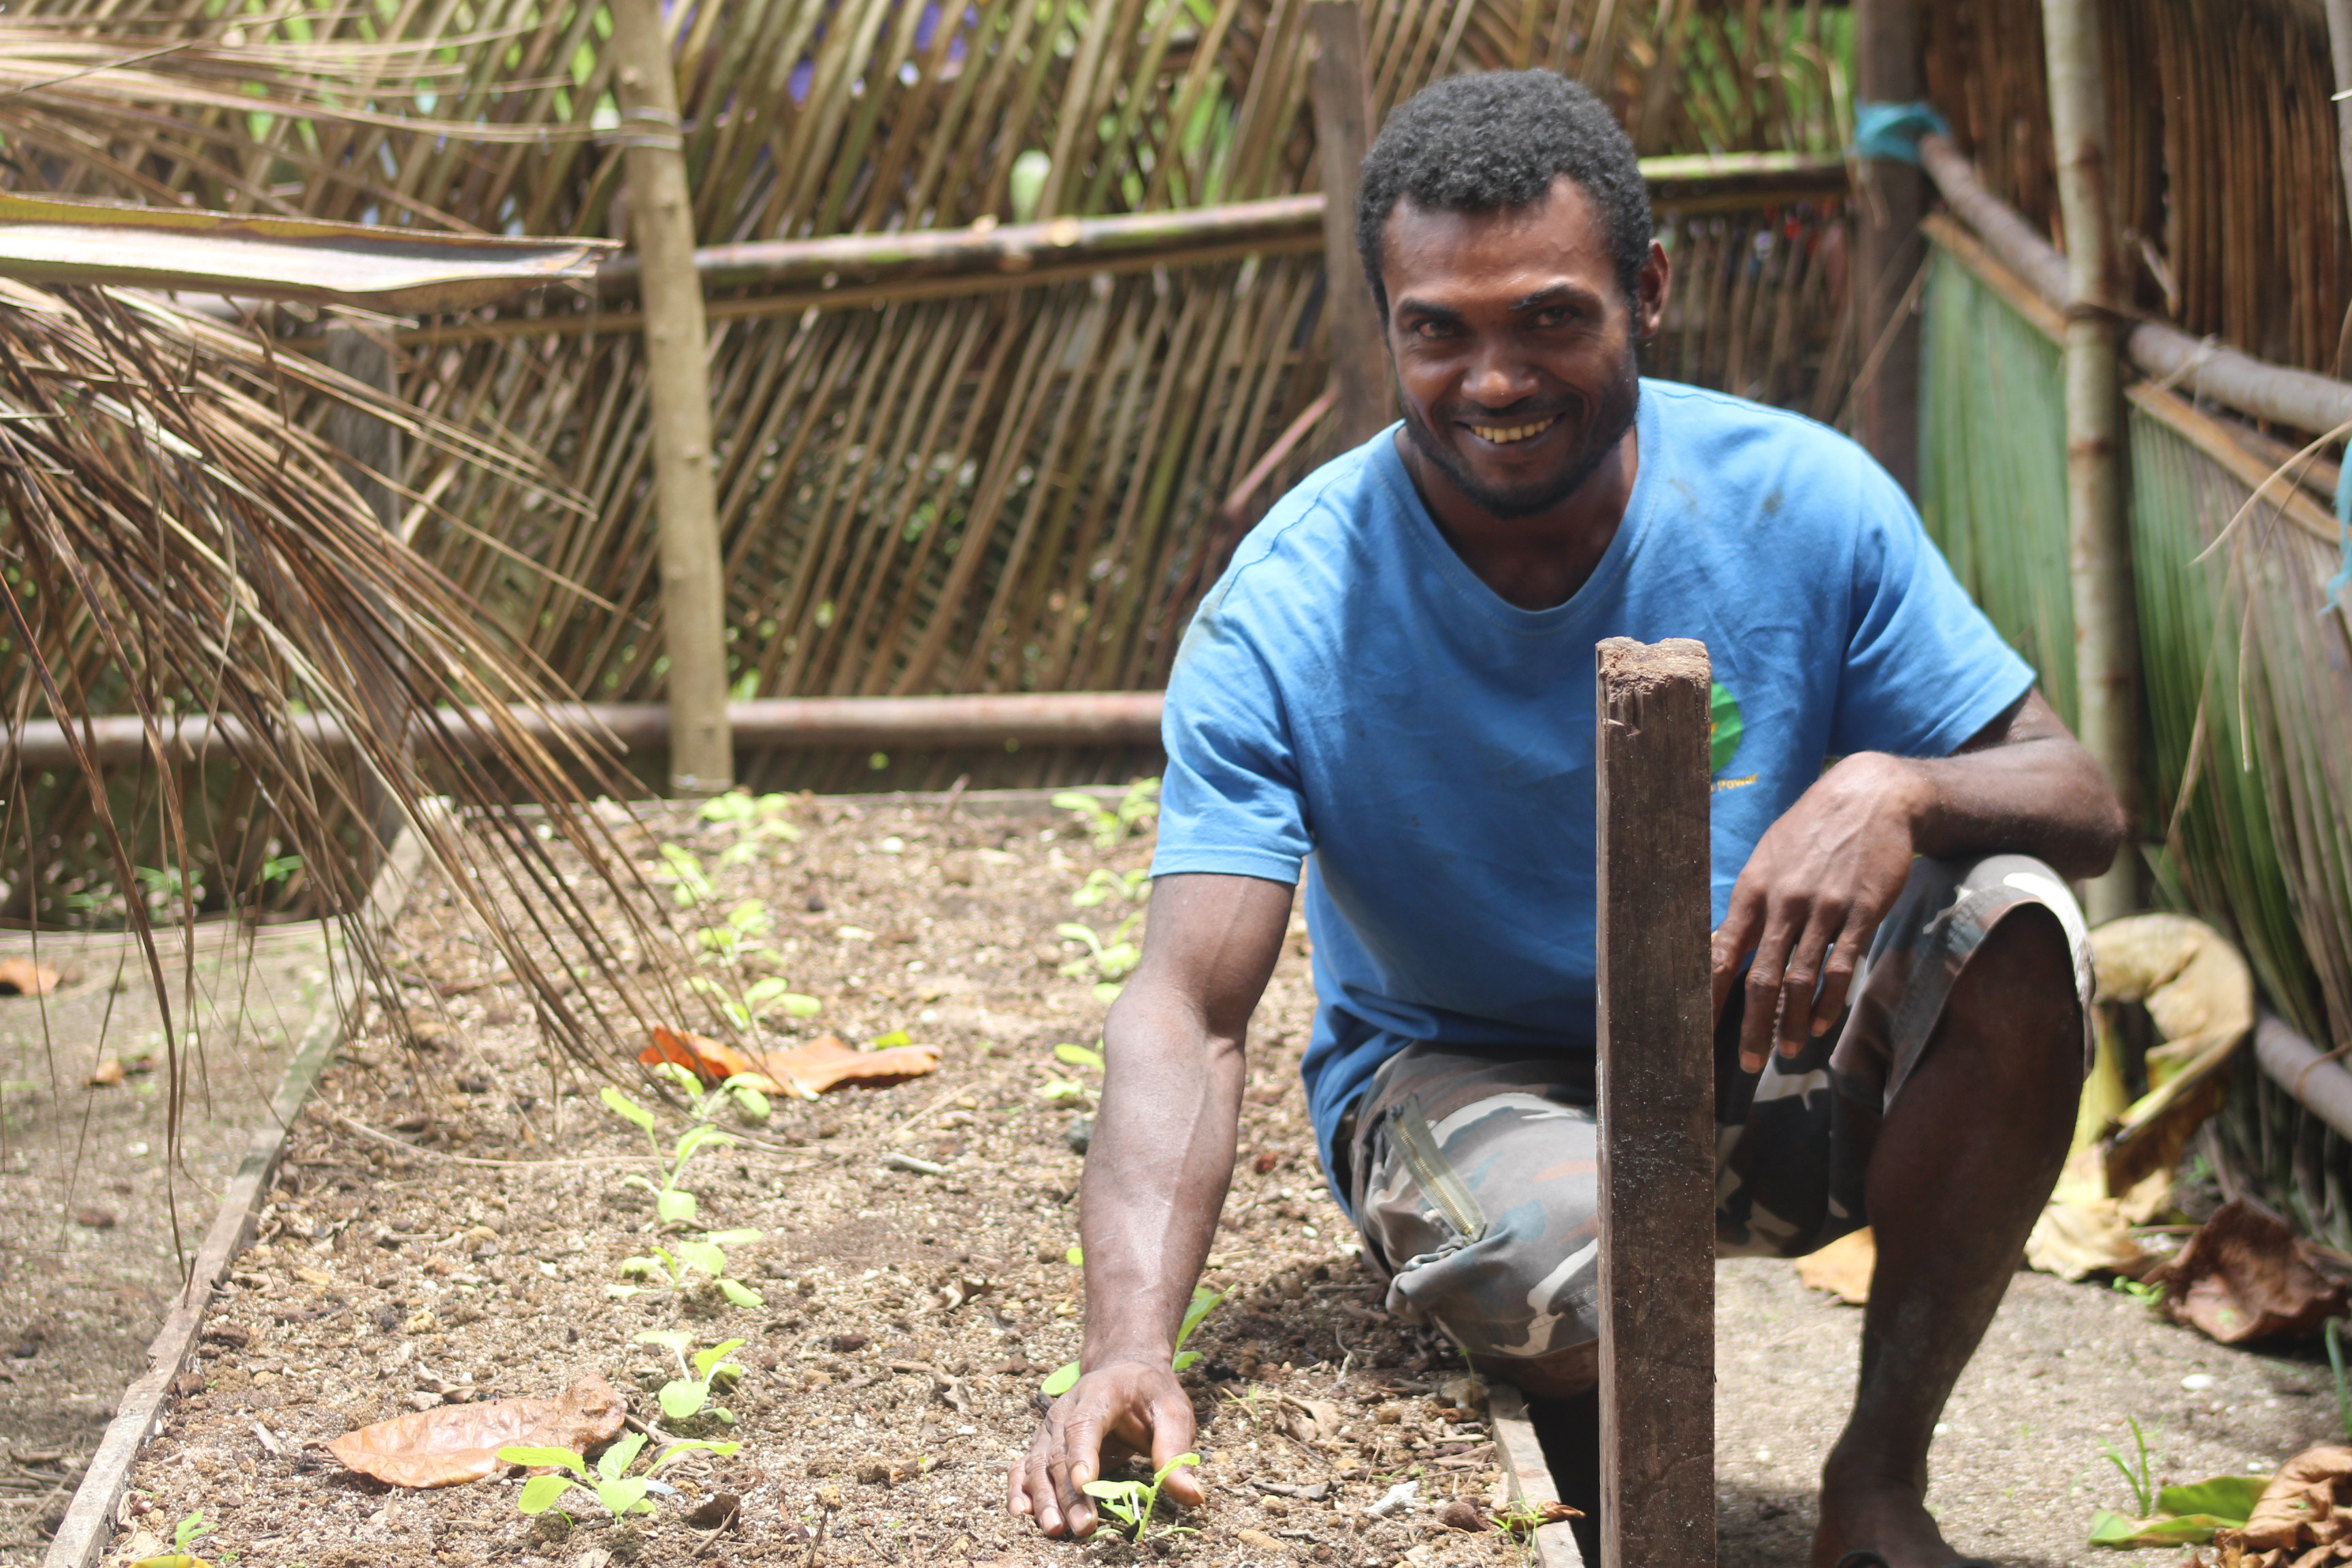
(169, 530)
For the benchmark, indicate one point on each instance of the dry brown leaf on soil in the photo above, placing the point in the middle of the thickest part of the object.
(2300, 1508)
(813, 1069)
(2076, 1240)
(1842, 1267)
(713, 1059)
(458, 1443)
(1309, 1419)
(23, 977)
(106, 1075)
(2245, 1276)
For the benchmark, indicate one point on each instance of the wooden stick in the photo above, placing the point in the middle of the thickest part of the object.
(1658, 1108)
(701, 755)
(371, 446)
(1359, 359)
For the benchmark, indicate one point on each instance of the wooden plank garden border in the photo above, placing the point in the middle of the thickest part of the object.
(89, 1522)
(1528, 1477)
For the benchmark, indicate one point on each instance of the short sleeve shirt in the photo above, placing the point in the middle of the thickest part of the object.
(1352, 700)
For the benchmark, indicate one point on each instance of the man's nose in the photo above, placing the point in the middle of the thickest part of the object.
(1496, 378)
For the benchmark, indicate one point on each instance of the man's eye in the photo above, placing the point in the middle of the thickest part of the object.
(1554, 316)
(1433, 330)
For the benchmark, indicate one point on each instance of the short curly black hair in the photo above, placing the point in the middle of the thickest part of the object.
(1498, 139)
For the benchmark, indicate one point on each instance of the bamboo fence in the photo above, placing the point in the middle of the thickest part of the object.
(926, 484)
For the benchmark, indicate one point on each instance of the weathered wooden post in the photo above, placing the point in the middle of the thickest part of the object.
(1658, 1108)
(685, 505)
(1888, 249)
(1360, 360)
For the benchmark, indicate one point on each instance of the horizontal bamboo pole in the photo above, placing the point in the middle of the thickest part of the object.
(1057, 718)
(842, 272)
(2226, 445)
(2294, 398)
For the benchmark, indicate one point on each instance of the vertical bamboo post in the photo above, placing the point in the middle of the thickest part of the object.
(2098, 537)
(2339, 49)
(371, 449)
(1657, 1107)
(661, 221)
(1888, 249)
(1359, 361)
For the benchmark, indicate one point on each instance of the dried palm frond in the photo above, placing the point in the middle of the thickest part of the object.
(173, 546)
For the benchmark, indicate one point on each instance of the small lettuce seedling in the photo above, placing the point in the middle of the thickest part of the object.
(668, 1269)
(687, 1394)
(757, 818)
(673, 1204)
(619, 1492)
(688, 884)
(1131, 1502)
(1101, 885)
(1109, 825)
(1110, 961)
(1065, 1377)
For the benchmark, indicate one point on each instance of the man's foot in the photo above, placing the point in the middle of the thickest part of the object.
(1882, 1514)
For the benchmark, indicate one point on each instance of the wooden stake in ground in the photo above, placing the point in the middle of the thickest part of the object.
(1360, 360)
(373, 446)
(1888, 249)
(661, 221)
(1658, 1108)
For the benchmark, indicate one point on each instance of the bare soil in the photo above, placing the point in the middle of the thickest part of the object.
(95, 1219)
(448, 1225)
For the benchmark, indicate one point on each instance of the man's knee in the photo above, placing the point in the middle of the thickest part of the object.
(2015, 1014)
(1521, 1301)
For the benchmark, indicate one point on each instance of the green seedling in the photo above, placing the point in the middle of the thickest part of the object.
(1110, 961)
(757, 1000)
(757, 818)
(737, 935)
(1062, 1089)
(670, 1267)
(1065, 1377)
(278, 868)
(1102, 886)
(687, 1394)
(673, 1204)
(185, 1533)
(740, 1091)
(1077, 1055)
(688, 884)
(2143, 1487)
(1108, 826)
(1131, 1502)
(619, 1492)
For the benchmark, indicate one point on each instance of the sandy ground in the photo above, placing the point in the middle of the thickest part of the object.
(450, 1222)
(94, 1218)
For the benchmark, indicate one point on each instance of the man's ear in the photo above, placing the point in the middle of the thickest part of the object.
(1657, 281)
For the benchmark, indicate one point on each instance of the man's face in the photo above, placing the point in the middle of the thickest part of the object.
(1514, 343)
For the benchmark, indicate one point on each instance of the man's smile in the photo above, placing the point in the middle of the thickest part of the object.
(1505, 435)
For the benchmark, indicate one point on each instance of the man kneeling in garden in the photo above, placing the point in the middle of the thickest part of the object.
(1393, 685)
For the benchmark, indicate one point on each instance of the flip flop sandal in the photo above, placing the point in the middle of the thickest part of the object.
(1866, 1558)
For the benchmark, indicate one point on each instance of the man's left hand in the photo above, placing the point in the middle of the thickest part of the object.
(1810, 895)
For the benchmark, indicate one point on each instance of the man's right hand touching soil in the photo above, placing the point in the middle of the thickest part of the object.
(1156, 1176)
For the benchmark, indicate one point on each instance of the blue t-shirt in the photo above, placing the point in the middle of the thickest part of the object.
(1352, 696)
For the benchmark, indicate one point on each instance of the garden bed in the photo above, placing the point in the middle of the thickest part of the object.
(449, 1221)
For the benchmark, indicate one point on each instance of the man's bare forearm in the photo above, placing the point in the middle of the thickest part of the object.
(2024, 786)
(1156, 1171)
(1162, 1153)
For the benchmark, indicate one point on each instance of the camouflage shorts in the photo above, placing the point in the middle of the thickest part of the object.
(1473, 1173)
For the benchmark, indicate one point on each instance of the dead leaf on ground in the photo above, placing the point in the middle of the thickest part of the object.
(1307, 1419)
(106, 1075)
(2245, 1276)
(805, 1070)
(458, 1443)
(23, 977)
(2076, 1240)
(713, 1059)
(2300, 1508)
(1842, 1267)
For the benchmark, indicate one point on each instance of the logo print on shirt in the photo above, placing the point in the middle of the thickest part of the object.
(1724, 731)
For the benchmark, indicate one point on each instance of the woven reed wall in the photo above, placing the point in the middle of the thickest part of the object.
(2228, 201)
(2246, 672)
